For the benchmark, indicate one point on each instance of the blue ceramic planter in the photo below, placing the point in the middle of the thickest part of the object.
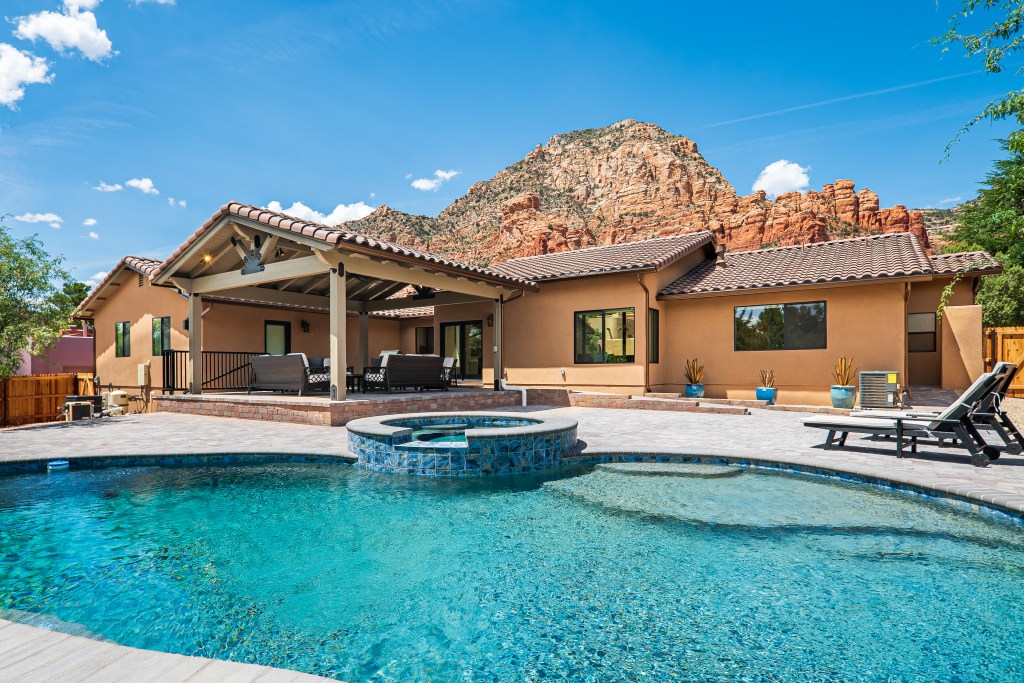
(843, 397)
(694, 391)
(766, 394)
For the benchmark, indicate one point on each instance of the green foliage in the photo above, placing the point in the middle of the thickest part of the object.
(1002, 298)
(994, 43)
(34, 308)
(72, 294)
(995, 222)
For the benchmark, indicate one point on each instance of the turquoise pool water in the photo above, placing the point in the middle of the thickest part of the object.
(591, 576)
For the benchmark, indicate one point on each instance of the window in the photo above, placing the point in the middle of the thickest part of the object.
(277, 337)
(653, 335)
(780, 327)
(605, 336)
(921, 332)
(122, 340)
(424, 340)
(161, 335)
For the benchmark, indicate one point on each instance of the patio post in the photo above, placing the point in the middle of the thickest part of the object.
(364, 340)
(195, 343)
(339, 314)
(497, 342)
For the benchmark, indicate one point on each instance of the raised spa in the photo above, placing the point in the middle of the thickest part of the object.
(461, 444)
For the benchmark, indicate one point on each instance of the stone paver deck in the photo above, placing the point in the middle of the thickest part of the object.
(772, 436)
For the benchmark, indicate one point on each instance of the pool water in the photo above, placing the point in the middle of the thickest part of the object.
(583, 576)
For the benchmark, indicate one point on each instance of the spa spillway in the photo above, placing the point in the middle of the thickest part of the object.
(461, 444)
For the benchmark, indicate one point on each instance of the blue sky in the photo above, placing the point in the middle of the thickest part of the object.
(337, 103)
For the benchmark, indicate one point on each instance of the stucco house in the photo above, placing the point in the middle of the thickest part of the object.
(619, 319)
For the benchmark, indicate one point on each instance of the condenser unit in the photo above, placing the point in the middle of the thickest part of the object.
(879, 389)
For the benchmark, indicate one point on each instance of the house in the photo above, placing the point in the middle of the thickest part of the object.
(72, 352)
(621, 318)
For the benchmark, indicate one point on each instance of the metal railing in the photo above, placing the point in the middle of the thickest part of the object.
(222, 370)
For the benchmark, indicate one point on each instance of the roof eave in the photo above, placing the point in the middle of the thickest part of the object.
(926, 277)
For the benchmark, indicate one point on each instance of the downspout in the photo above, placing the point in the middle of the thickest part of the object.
(647, 334)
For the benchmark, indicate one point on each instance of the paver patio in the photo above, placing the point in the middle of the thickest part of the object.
(765, 435)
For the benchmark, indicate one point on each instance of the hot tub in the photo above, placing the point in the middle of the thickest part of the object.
(461, 444)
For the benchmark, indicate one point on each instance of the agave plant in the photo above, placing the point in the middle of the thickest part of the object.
(767, 379)
(844, 371)
(694, 372)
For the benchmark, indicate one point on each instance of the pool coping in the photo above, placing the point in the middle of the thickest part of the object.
(377, 426)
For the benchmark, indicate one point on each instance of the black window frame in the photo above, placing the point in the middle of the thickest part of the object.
(785, 340)
(934, 334)
(287, 334)
(603, 311)
(428, 331)
(653, 335)
(162, 323)
(123, 339)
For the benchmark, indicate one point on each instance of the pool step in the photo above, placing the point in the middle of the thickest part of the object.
(687, 405)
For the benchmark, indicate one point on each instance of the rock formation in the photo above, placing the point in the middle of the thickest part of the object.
(627, 182)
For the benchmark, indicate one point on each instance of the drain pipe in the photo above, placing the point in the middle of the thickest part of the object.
(505, 386)
(647, 336)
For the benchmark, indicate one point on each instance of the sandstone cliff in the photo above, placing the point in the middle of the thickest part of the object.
(627, 182)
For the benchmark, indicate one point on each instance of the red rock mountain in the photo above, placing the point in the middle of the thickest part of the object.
(627, 182)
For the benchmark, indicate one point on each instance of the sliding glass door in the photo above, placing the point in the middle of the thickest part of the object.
(464, 341)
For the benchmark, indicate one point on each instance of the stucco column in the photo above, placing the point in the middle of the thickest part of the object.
(497, 342)
(339, 311)
(364, 340)
(195, 343)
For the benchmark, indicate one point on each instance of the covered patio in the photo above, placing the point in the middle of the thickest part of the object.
(252, 257)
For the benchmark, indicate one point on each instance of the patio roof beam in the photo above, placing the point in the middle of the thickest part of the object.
(439, 299)
(387, 290)
(390, 270)
(212, 260)
(306, 266)
(275, 296)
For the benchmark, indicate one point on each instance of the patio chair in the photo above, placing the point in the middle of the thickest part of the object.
(449, 371)
(953, 424)
(987, 413)
(279, 373)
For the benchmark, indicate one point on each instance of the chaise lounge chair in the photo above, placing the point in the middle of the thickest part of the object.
(955, 423)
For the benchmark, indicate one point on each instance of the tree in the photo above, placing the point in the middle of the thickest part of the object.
(34, 309)
(995, 43)
(1002, 298)
(73, 294)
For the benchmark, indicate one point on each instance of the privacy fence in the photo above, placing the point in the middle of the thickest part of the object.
(30, 399)
(1006, 344)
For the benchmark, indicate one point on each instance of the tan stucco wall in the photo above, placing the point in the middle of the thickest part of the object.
(924, 368)
(866, 321)
(962, 346)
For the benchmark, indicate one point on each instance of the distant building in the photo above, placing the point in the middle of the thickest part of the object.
(73, 352)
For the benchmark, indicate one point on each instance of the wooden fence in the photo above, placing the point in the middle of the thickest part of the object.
(1006, 344)
(30, 399)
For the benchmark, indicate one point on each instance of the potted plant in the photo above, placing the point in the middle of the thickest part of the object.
(767, 390)
(844, 393)
(695, 377)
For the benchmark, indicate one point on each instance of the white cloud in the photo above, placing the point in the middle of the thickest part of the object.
(81, 4)
(171, 201)
(51, 219)
(94, 235)
(89, 222)
(951, 200)
(341, 213)
(432, 184)
(18, 69)
(103, 187)
(155, 2)
(143, 185)
(782, 176)
(96, 278)
(408, 175)
(72, 29)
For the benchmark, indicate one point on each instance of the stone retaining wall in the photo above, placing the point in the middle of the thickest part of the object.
(565, 398)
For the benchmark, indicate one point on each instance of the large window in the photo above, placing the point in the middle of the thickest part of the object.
(921, 332)
(161, 335)
(122, 339)
(605, 336)
(424, 340)
(780, 327)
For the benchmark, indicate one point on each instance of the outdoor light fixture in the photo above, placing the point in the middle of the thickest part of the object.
(490, 320)
(304, 324)
(207, 258)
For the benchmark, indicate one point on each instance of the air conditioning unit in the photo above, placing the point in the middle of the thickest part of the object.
(879, 389)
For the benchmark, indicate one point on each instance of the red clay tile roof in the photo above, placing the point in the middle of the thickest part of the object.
(965, 261)
(649, 254)
(139, 264)
(897, 255)
(334, 236)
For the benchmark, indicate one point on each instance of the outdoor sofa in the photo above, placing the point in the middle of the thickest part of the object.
(956, 424)
(399, 371)
(280, 373)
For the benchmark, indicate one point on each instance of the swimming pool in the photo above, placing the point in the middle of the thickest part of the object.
(589, 574)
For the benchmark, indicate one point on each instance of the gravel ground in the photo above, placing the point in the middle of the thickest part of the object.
(1014, 407)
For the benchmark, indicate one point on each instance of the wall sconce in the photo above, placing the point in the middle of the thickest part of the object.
(490, 320)
(304, 324)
